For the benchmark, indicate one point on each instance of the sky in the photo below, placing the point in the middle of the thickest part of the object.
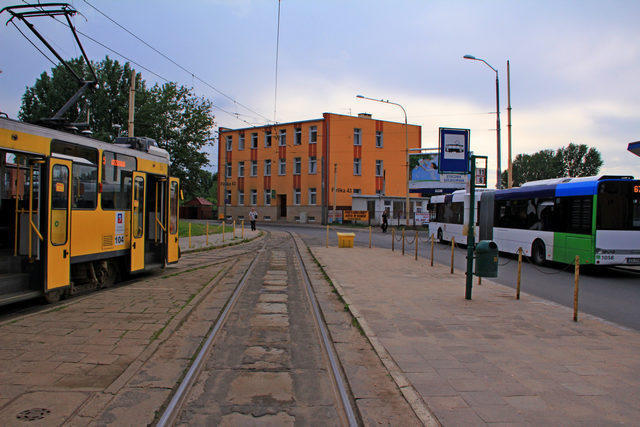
(574, 65)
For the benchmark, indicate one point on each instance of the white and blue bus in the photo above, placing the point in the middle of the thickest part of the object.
(596, 218)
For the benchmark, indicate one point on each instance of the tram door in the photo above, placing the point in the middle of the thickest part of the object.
(137, 221)
(59, 224)
(172, 229)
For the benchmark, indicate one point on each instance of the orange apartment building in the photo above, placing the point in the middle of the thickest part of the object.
(288, 171)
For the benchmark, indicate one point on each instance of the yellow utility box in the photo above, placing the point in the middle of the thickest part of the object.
(345, 240)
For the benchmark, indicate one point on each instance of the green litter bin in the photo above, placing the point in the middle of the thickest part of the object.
(486, 259)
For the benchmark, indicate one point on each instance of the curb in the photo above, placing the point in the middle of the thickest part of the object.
(410, 394)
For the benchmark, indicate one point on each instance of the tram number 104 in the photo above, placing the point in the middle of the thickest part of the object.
(119, 240)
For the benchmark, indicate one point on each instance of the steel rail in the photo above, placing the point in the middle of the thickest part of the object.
(175, 405)
(331, 354)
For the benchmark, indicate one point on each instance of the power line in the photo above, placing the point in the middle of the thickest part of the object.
(193, 75)
(33, 44)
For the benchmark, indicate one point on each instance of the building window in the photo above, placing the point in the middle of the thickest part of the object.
(357, 191)
(227, 196)
(228, 170)
(229, 142)
(357, 133)
(254, 197)
(313, 165)
(297, 166)
(240, 198)
(254, 141)
(282, 141)
(356, 167)
(282, 167)
(267, 168)
(267, 197)
(378, 192)
(297, 136)
(254, 168)
(296, 196)
(240, 169)
(378, 139)
(379, 168)
(267, 138)
(241, 142)
(313, 134)
(312, 196)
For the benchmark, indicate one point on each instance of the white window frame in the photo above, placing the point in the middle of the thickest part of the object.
(240, 142)
(297, 165)
(267, 197)
(297, 136)
(254, 168)
(254, 197)
(357, 166)
(228, 170)
(267, 139)
(241, 169)
(379, 139)
(297, 196)
(313, 165)
(379, 167)
(254, 140)
(282, 163)
(282, 138)
(357, 136)
(313, 134)
(240, 198)
(313, 196)
(267, 167)
(229, 142)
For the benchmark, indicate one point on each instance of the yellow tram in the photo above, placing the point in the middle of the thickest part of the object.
(78, 213)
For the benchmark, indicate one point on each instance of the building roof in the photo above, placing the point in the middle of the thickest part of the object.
(198, 201)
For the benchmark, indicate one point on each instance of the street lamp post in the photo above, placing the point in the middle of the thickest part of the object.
(499, 171)
(406, 143)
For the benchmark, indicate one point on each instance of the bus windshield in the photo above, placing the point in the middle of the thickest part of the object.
(618, 205)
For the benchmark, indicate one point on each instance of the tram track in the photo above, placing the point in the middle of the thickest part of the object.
(288, 369)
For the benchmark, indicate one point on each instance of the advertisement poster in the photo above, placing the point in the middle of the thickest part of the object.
(424, 173)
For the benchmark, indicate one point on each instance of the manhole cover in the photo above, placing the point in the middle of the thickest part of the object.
(33, 414)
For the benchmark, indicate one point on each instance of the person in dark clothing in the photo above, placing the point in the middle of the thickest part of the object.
(253, 215)
(385, 221)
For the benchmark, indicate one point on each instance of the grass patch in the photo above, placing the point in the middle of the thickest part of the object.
(200, 229)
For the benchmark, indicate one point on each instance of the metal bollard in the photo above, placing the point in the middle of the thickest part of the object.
(242, 229)
(189, 234)
(369, 237)
(222, 231)
(576, 279)
(234, 228)
(432, 250)
(393, 239)
(453, 244)
(519, 273)
(416, 257)
(207, 233)
(403, 241)
(327, 245)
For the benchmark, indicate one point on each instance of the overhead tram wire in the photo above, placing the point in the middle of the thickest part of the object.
(235, 115)
(33, 44)
(195, 76)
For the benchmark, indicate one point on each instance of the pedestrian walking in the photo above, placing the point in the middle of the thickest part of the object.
(253, 215)
(385, 221)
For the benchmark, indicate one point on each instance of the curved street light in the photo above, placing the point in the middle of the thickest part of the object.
(406, 143)
(499, 171)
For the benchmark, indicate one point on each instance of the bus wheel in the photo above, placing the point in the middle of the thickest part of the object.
(538, 252)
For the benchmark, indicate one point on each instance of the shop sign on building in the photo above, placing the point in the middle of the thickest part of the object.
(356, 215)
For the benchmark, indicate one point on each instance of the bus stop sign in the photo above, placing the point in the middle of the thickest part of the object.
(454, 151)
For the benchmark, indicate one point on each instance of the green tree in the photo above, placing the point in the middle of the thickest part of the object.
(574, 160)
(172, 115)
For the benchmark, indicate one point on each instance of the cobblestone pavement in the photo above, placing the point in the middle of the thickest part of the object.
(492, 359)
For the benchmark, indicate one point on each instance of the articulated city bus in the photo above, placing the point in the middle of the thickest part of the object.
(596, 218)
(77, 212)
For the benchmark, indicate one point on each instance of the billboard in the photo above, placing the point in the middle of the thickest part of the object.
(425, 174)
